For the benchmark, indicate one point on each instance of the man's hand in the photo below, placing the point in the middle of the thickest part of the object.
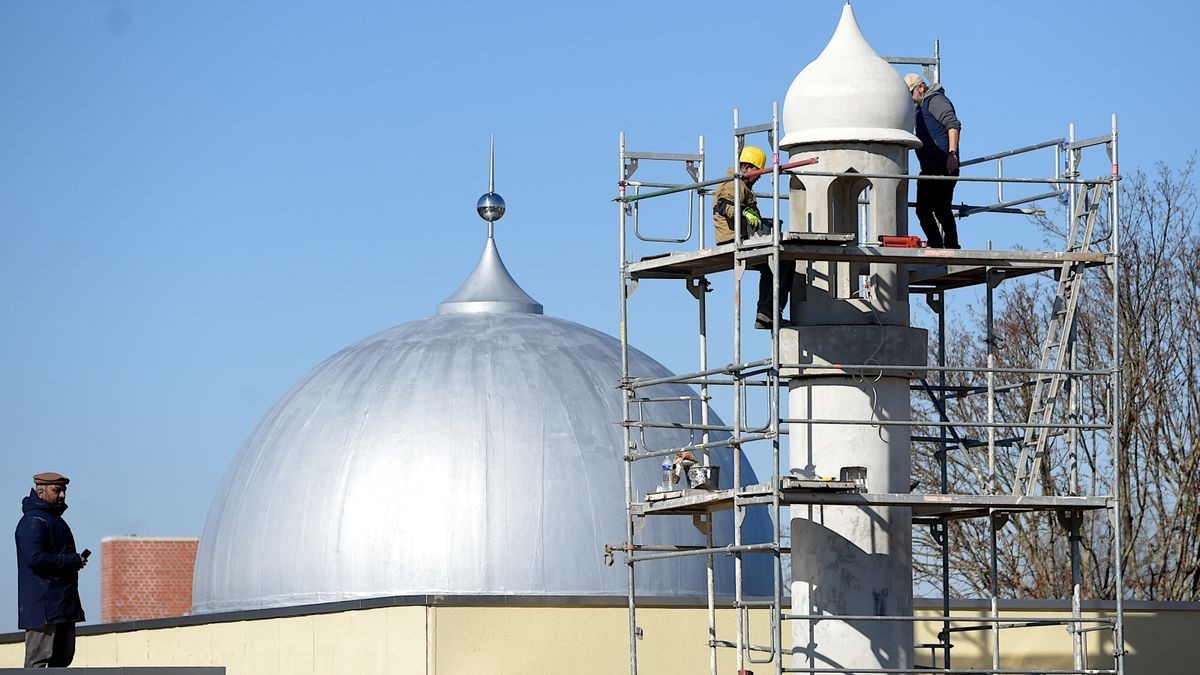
(82, 562)
(951, 164)
(751, 218)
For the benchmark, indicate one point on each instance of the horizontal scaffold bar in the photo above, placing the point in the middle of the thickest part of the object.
(1088, 142)
(911, 60)
(642, 424)
(934, 504)
(664, 156)
(754, 129)
(715, 381)
(724, 443)
(798, 369)
(626, 199)
(922, 505)
(931, 423)
(943, 618)
(931, 670)
(637, 383)
(1016, 151)
(721, 550)
(964, 210)
(666, 399)
(1009, 623)
(872, 367)
(965, 443)
(960, 179)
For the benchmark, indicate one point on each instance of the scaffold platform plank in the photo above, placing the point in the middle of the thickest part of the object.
(787, 483)
(929, 267)
(719, 258)
(946, 277)
(925, 507)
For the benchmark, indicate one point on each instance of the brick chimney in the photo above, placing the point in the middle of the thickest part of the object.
(146, 577)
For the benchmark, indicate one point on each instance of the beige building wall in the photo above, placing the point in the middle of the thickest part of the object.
(386, 640)
(499, 640)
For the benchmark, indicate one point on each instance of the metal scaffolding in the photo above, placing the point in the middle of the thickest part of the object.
(931, 272)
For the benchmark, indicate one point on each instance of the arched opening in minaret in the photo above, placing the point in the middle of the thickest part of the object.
(849, 213)
(860, 280)
(866, 225)
(901, 204)
(844, 194)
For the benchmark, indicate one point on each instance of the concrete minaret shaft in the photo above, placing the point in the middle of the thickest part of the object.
(852, 110)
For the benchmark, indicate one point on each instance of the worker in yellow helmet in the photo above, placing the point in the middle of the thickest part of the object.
(749, 160)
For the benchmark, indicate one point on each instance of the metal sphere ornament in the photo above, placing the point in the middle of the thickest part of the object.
(490, 207)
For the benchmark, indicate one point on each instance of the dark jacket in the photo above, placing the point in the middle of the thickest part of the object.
(935, 119)
(47, 566)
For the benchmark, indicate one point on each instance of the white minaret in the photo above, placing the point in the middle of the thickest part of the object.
(851, 109)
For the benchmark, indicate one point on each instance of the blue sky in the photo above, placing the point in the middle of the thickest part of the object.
(201, 201)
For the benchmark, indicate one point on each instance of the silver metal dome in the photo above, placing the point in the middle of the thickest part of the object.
(473, 452)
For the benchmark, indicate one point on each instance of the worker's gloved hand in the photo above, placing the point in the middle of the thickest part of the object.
(751, 218)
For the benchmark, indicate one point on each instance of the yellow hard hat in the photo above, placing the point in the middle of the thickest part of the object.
(753, 155)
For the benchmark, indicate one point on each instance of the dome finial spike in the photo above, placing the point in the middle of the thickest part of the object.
(490, 206)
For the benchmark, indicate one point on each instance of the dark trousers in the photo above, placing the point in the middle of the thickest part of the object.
(766, 282)
(934, 212)
(51, 646)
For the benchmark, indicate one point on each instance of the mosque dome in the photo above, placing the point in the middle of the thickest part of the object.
(848, 94)
(477, 451)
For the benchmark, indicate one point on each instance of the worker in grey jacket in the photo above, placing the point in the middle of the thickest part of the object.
(939, 130)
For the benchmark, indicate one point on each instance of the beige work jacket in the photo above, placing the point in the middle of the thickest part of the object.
(723, 213)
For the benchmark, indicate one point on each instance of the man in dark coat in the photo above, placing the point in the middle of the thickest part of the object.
(47, 575)
(939, 129)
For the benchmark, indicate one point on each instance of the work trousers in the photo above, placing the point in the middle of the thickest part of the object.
(51, 646)
(934, 212)
(766, 282)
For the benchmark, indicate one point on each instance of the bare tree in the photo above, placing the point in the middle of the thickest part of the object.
(1158, 414)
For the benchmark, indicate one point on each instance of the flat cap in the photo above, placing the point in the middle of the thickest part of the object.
(50, 478)
(912, 80)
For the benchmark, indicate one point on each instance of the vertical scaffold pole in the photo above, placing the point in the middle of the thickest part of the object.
(1115, 443)
(1078, 643)
(1073, 522)
(990, 283)
(773, 403)
(995, 580)
(1073, 417)
(739, 267)
(1076, 518)
(937, 61)
(626, 394)
(702, 300)
(700, 197)
(943, 459)
(1073, 195)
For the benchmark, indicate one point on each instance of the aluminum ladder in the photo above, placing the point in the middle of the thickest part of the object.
(1060, 337)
